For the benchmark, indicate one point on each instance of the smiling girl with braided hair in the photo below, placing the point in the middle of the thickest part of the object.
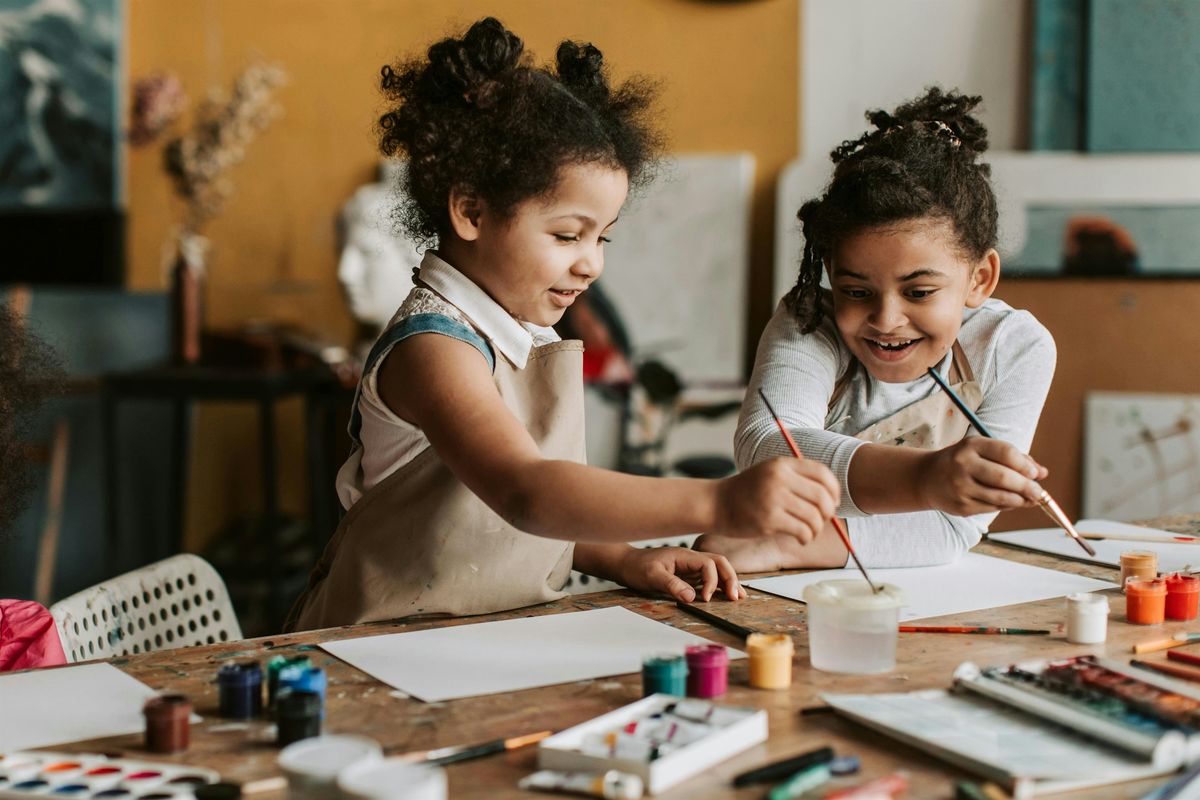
(905, 233)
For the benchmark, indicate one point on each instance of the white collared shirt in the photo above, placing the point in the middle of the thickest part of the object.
(390, 442)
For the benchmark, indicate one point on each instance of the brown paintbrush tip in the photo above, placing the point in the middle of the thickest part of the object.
(1051, 507)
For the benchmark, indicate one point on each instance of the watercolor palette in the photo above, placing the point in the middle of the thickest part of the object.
(28, 774)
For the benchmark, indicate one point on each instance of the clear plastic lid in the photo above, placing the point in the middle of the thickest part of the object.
(854, 594)
(321, 758)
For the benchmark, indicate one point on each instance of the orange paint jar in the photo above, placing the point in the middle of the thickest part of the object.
(1138, 564)
(1145, 600)
(1183, 596)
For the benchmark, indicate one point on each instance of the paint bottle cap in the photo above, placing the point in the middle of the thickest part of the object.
(168, 707)
(777, 644)
(1184, 584)
(1139, 557)
(700, 656)
(240, 673)
(314, 763)
(854, 594)
(1088, 602)
(392, 779)
(666, 664)
(1146, 586)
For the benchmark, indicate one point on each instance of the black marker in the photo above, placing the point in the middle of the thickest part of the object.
(785, 768)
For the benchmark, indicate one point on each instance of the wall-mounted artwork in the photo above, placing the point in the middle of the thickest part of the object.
(60, 133)
(1141, 455)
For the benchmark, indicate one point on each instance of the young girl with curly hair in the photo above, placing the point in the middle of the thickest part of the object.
(905, 233)
(466, 490)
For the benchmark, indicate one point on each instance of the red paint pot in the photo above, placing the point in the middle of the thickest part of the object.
(1145, 600)
(1183, 596)
(708, 670)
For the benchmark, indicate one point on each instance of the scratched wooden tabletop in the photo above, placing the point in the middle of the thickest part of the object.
(357, 703)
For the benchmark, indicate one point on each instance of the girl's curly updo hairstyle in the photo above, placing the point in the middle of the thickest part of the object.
(921, 161)
(477, 116)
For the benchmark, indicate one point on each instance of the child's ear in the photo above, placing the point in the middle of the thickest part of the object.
(984, 277)
(465, 211)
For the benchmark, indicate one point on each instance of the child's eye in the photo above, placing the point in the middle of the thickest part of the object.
(566, 237)
(605, 239)
(920, 294)
(854, 293)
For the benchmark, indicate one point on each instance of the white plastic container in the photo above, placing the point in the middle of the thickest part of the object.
(311, 766)
(393, 779)
(852, 629)
(1087, 618)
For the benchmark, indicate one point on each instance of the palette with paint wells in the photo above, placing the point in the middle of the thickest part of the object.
(28, 774)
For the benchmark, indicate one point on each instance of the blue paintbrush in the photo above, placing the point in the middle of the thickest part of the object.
(1047, 503)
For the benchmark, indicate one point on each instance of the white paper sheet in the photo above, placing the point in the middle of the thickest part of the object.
(1171, 557)
(972, 583)
(46, 707)
(514, 654)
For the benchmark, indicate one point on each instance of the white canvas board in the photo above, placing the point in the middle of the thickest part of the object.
(46, 707)
(972, 583)
(513, 654)
(1171, 557)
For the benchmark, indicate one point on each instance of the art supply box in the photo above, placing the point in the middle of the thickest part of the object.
(26, 775)
(562, 750)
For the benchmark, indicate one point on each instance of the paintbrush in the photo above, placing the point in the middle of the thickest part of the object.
(451, 755)
(1128, 538)
(837, 523)
(1046, 502)
(713, 619)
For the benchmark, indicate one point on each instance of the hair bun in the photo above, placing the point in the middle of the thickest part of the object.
(581, 69)
(468, 69)
(946, 112)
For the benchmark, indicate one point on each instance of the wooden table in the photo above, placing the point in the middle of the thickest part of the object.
(357, 703)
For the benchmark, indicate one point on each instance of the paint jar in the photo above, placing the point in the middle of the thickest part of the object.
(274, 666)
(1087, 618)
(297, 716)
(299, 678)
(312, 766)
(1138, 564)
(1183, 596)
(392, 779)
(770, 660)
(851, 628)
(708, 670)
(168, 722)
(1145, 600)
(664, 674)
(241, 689)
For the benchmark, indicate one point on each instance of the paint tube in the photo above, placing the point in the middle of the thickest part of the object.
(612, 784)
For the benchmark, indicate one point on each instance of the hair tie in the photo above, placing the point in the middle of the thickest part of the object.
(936, 126)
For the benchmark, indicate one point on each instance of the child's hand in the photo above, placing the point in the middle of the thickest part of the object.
(979, 475)
(673, 570)
(781, 496)
(762, 554)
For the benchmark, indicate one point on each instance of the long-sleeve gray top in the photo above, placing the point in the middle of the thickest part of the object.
(1012, 356)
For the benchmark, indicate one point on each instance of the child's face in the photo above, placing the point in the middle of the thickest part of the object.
(899, 292)
(540, 259)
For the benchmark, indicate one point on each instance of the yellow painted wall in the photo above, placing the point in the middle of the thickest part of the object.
(730, 79)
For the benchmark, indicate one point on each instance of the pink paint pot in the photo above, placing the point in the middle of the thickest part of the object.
(708, 670)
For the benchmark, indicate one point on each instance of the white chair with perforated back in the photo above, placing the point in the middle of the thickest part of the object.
(180, 601)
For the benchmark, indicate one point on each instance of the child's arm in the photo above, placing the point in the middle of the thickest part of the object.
(444, 387)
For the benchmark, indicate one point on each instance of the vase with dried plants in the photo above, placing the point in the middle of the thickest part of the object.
(198, 161)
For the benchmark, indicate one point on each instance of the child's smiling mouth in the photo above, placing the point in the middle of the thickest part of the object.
(890, 350)
(565, 297)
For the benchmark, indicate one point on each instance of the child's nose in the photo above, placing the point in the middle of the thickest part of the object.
(887, 314)
(590, 265)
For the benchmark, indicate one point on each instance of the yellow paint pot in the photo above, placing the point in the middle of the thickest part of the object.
(770, 660)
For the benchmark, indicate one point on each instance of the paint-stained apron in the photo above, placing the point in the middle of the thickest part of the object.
(929, 424)
(420, 543)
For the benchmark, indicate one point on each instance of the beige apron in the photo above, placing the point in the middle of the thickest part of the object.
(929, 424)
(420, 543)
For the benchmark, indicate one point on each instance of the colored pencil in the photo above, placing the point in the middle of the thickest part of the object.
(837, 523)
(777, 770)
(1128, 538)
(1046, 503)
(1187, 658)
(713, 619)
(454, 754)
(1174, 670)
(971, 629)
(1154, 645)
